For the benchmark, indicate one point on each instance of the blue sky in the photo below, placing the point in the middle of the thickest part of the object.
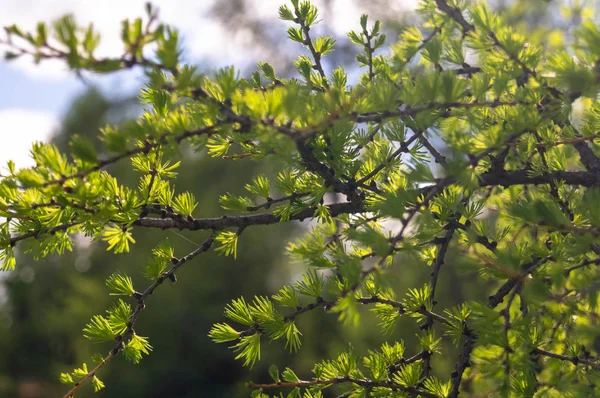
(25, 92)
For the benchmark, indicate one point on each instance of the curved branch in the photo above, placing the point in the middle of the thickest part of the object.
(147, 147)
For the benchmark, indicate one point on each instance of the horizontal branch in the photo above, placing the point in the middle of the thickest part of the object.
(409, 111)
(504, 178)
(244, 220)
(524, 177)
(62, 227)
(584, 263)
(573, 360)
(270, 201)
(345, 379)
(321, 303)
(570, 141)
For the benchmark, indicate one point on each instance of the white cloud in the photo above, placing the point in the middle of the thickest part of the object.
(19, 128)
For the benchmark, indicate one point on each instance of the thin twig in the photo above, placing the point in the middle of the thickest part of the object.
(573, 360)
(129, 331)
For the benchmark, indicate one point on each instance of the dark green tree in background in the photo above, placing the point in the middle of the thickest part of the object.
(479, 270)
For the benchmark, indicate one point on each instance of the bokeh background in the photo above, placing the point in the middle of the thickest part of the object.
(44, 305)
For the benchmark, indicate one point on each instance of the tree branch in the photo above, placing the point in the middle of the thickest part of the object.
(573, 360)
(403, 148)
(528, 268)
(345, 379)
(244, 220)
(163, 139)
(464, 361)
(122, 338)
(456, 15)
(584, 263)
(410, 111)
